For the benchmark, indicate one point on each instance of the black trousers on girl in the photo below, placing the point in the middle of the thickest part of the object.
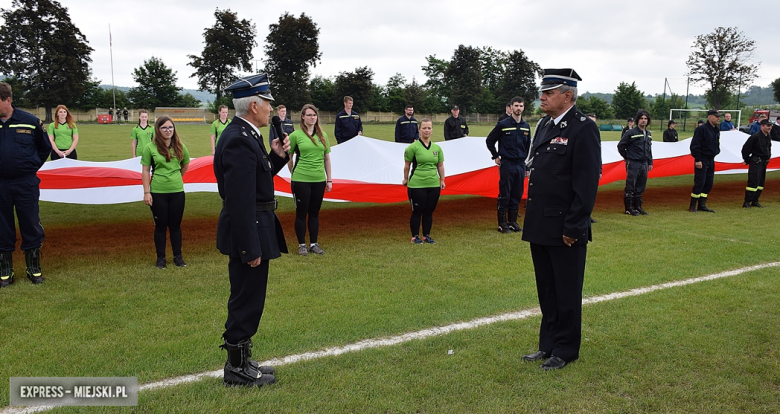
(423, 202)
(72, 155)
(167, 210)
(308, 201)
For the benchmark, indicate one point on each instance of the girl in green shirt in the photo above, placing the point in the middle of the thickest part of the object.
(142, 134)
(63, 134)
(424, 184)
(167, 159)
(310, 177)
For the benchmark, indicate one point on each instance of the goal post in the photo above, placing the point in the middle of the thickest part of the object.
(684, 118)
(182, 115)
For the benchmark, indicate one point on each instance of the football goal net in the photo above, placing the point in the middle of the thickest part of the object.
(688, 118)
(191, 115)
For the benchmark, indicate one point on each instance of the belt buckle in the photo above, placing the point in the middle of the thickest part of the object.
(276, 203)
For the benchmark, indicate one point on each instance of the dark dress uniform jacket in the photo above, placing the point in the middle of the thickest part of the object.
(242, 166)
(24, 146)
(636, 145)
(564, 180)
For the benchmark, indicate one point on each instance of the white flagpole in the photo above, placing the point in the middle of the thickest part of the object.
(111, 51)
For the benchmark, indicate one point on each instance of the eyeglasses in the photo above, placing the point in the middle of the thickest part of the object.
(169, 128)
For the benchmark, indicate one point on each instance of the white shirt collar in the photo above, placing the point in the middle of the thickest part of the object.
(253, 126)
(558, 119)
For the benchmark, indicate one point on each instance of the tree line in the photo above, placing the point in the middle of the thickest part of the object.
(47, 62)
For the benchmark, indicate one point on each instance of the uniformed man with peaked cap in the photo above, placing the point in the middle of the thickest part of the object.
(564, 162)
(248, 230)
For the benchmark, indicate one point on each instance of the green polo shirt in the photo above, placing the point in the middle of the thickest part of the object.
(142, 136)
(425, 161)
(63, 135)
(166, 175)
(217, 127)
(310, 164)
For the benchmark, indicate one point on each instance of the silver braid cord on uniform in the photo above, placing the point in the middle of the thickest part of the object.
(529, 159)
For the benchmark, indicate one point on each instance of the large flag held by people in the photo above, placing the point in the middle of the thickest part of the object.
(366, 170)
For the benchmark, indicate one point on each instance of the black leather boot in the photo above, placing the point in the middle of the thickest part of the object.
(6, 269)
(692, 207)
(638, 206)
(512, 221)
(628, 204)
(33, 259)
(703, 205)
(754, 202)
(503, 227)
(748, 199)
(239, 371)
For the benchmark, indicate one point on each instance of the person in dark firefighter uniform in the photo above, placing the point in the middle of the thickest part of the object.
(636, 149)
(24, 147)
(705, 145)
(248, 230)
(756, 152)
(564, 161)
(513, 135)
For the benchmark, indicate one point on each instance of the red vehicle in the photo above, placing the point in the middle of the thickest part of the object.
(771, 113)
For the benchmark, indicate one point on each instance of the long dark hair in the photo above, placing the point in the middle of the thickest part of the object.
(178, 148)
(317, 128)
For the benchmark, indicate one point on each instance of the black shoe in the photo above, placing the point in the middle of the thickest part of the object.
(692, 207)
(515, 227)
(178, 261)
(8, 281)
(536, 356)
(6, 269)
(755, 204)
(241, 370)
(592, 221)
(161, 263)
(703, 205)
(504, 228)
(745, 205)
(553, 363)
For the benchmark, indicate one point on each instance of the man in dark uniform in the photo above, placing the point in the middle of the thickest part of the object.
(406, 130)
(636, 148)
(24, 148)
(513, 135)
(348, 123)
(455, 126)
(564, 162)
(287, 124)
(756, 153)
(670, 135)
(628, 126)
(248, 230)
(705, 145)
(508, 113)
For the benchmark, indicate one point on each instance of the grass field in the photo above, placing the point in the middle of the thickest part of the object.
(104, 309)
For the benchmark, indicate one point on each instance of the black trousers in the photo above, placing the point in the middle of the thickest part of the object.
(510, 184)
(247, 299)
(703, 177)
(21, 193)
(72, 155)
(167, 210)
(423, 202)
(756, 176)
(636, 178)
(308, 201)
(560, 271)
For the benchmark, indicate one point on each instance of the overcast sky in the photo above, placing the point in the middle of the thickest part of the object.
(606, 42)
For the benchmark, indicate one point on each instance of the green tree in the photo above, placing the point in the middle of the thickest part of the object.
(378, 99)
(157, 85)
(228, 49)
(291, 48)
(627, 100)
(323, 94)
(519, 79)
(395, 92)
(595, 105)
(213, 107)
(661, 107)
(492, 65)
(776, 88)
(186, 100)
(416, 95)
(436, 87)
(19, 91)
(359, 85)
(464, 75)
(721, 60)
(45, 51)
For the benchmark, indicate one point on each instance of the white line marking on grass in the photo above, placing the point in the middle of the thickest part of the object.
(423, 334)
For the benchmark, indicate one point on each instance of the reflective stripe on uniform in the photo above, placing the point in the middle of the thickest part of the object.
(22, 126)
(751, 189)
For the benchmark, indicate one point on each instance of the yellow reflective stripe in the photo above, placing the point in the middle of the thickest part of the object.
(22, 126)
(508, 129)
(751, 189)
(524, 129)
(694, 195)
(759, 188)
(345, 116)
(637, 136)
(703, 195)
